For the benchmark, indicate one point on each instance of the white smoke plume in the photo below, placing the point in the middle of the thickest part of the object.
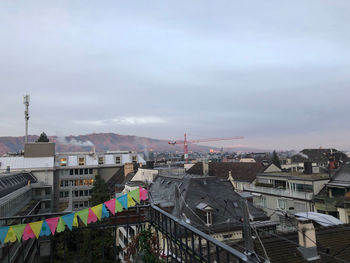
(74, 142)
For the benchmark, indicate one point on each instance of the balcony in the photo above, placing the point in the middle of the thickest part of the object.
(279, 192)
(97, 242)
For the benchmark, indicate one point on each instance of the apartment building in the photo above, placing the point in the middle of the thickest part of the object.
(71, 175)
(76, 173)
(334, 199)
(281, 193)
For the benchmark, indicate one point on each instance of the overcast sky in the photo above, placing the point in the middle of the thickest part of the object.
(276, 72)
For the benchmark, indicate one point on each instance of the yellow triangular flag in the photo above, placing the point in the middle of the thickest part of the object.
(97, 211)
(36, 227)
(75, 220)
(131, 202)
(11, 236)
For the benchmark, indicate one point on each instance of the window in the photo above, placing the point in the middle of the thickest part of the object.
(63, 162)
(209, 217)
(71, 171)
(81, 193)
(76, 193)
(66, 183)
(76, 171)
(66, 194)
(86, 171)
(117, 160)
(61, 194)
(91, 171)
(81, 171)
(282, 204)
(134, 159)
(81, 161)
(100, 160)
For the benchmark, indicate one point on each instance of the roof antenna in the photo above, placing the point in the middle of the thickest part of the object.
(26, 100)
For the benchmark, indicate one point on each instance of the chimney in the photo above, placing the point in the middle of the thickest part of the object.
(205, 168)
(307, 240)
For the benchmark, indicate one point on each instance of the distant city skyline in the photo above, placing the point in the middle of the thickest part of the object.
(277, 73)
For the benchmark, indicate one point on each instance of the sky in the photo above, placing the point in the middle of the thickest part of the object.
(276, 72)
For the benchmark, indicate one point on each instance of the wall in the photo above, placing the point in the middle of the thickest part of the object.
(145, 175)
(44, 176)
(39, 149)
(107, 172)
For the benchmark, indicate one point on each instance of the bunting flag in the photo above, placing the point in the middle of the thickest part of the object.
(52, 223)
(91, 217)
(97, 209)
(118, 206)
(58, 224)
(3, 233)
(36, 227)
(123, 200)
(143, 194)
(104, 211)
(45, 229)
(135, 194)
(11, 236)
(61, 226)
(68, 219)
(131, 201)
(18, 229)
(75, 220)
(111, 205)
(28, 233)
(83, 215)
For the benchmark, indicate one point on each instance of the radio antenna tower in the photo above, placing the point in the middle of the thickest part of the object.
(26, 100)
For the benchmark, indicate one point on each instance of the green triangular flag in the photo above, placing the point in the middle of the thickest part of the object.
(135, 194)
(83, 215)
(18, 229)
(61, 226)
(118, 206)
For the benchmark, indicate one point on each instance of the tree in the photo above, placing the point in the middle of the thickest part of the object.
(100, 191)
(275, 160)
(43, 138)
(94, 242)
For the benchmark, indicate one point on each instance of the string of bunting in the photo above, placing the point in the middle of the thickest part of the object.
(54, 225)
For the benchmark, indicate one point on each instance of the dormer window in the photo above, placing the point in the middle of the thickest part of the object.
(207, 211)
(63, 162)
(100, 160)
(209, 217)
(134, 159)
(81, 161)
(117, 160)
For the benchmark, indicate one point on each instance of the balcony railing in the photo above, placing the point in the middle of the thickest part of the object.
(279, 192)
(184, 242)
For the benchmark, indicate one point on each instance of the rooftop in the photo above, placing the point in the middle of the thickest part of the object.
(297, 176)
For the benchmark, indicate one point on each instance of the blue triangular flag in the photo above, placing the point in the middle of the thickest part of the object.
(123, 200)
(105, 213)
(68, 219)
(3, 233)
(45, 229)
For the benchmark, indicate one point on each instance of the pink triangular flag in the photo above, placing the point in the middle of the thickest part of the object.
(111, 205)
(91, 217)
(52, 222)
(143, 194)
(28, 232)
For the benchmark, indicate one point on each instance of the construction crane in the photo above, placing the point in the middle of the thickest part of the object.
(185, 142)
